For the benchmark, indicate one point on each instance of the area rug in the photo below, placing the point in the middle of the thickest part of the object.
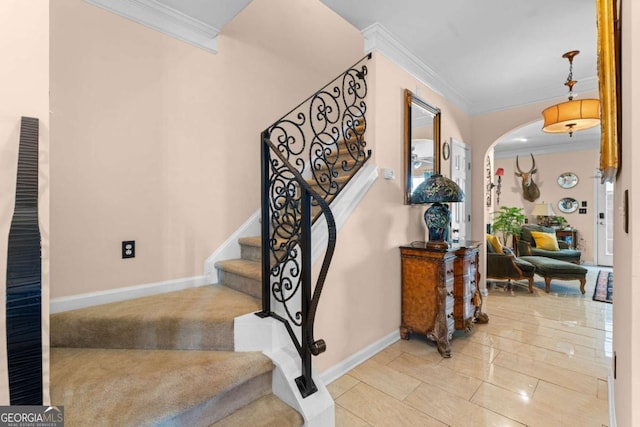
(604, 287)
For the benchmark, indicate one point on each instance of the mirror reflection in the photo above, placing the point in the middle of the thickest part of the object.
(421, 133)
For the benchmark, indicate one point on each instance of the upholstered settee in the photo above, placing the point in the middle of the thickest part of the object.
(505, 265)
(536, 240)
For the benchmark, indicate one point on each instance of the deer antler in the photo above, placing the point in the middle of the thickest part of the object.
(533, 168)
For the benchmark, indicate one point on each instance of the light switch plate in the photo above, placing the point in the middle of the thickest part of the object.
(389, 174)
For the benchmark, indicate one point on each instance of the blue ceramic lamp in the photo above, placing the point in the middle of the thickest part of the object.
(437, 189)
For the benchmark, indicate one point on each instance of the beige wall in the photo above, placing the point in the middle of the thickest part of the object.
(550, 166)
(24, 91)
(361, 298)
(626, 317)
(158, 141)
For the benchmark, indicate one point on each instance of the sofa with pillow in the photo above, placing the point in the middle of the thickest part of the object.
(536, 240)
(502, 264)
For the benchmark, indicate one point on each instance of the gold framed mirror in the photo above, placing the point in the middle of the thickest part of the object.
(421, 142)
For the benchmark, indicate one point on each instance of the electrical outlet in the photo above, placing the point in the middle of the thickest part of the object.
(129, 249)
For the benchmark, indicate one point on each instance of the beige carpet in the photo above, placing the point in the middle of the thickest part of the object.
(190, 319)
(162, 360)
(148, 387)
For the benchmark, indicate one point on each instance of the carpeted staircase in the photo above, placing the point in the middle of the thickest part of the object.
(167, 359)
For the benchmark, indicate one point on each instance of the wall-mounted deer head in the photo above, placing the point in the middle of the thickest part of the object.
(530, 190)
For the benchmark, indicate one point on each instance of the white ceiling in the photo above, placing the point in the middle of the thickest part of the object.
(496, 54)
(488, 55)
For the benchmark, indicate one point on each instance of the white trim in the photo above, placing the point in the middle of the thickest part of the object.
(493, 104)
(160, 17)
(121, 294)
(230, 249)
(612, 402)
(547, 149)
(270, 336)
(379, 39)
(336, 371)
(342, 206)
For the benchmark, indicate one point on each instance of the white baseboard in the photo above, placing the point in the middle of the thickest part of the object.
(336, 371)
(612, 402)
(74, 302)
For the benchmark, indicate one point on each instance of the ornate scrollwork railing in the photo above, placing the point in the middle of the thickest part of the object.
(308, 156)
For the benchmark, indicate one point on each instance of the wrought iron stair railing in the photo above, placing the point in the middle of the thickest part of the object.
(307, 157)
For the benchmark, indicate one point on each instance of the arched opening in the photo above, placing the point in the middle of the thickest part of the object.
(554, 156)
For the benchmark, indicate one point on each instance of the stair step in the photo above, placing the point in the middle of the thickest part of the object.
(241, 275)
(251, 248)
(268, 411)
(340, 180)
(107, 387)
(192, 319)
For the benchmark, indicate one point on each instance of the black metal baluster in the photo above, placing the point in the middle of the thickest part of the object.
(305, 144)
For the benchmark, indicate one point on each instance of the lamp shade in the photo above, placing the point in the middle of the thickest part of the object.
(500, 172)
(437, 188)
(543, 209)
(571, 116)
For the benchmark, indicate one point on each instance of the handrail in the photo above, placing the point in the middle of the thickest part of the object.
(307, 156)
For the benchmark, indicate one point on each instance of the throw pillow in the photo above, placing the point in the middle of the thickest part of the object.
(546, 241)
(495, 243)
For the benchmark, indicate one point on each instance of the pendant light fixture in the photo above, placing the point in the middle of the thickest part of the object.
(573, 115)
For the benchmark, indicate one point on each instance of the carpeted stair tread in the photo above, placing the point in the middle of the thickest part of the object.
(255, 241)
(339, 180)
(107, 387)
(268, 411)
(198, 319)
(241, 267)
(251, 248)
(242, 275)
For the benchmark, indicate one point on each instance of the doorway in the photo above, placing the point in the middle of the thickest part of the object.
(604, 223)
(460, 174)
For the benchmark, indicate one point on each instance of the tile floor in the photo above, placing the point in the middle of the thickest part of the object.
(542, 360)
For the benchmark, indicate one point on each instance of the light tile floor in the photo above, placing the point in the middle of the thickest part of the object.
(542, 360)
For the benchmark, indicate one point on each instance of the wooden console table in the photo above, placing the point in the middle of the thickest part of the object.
(440, 291)
(568, 235)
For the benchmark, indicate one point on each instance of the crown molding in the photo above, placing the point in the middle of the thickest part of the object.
(165, 19)
(378, 39)
(584, 145)
(492, 105)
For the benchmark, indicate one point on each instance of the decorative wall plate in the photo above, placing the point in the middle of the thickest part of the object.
(568, 205)
(568, 180)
